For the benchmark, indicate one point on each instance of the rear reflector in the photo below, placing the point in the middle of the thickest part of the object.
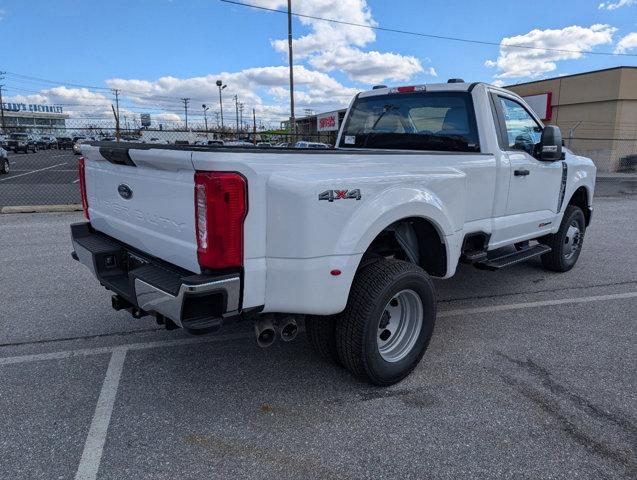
(82, 176)
(221, 206)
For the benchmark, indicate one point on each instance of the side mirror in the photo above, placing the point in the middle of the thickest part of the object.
(550, 148)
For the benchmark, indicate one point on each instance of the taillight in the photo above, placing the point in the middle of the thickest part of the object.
(221, 206)
(82, 174)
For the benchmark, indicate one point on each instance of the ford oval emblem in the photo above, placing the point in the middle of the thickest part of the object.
(125, 191)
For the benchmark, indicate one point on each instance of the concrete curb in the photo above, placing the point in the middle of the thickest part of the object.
(41, 208)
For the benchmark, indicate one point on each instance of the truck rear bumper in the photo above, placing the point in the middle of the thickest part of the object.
(196, 302)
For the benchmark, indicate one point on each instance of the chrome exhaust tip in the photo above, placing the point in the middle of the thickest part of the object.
(265, 332)
(288, 329)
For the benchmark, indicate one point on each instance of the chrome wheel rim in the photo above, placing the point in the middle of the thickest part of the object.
(573, 240)
(399, 326)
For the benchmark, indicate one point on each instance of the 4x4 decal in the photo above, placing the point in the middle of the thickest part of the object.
(331, 195)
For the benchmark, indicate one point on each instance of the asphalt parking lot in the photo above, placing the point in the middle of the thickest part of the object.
(47, 177)
(529, 374)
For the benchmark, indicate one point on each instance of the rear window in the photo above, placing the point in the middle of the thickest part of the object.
(439, 121)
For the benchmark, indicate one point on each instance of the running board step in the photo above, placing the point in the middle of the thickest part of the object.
(509, 259)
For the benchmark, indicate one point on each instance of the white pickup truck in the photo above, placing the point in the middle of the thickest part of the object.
(422, 178)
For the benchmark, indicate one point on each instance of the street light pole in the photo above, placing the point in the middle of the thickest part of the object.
(221, 87)
(205, 116)
(290, 60)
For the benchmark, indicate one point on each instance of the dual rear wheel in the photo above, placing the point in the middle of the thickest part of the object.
(386, 326)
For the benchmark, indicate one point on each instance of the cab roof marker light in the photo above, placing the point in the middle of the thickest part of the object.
(409, 89)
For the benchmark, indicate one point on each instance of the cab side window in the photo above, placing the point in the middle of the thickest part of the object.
(523, 132)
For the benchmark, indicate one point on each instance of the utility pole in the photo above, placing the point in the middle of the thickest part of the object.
(186, 100)
(116, 92)
(1, 104)
(241, 115)
(290, 60)
(254, 126)
(236, 109)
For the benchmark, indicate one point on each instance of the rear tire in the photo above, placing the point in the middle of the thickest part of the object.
(321, 333)
(388, 321)
(566, 244)
(4, 166)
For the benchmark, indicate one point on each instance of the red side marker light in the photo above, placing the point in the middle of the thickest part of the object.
(336, 272)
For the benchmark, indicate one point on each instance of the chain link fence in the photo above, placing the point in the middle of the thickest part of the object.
(43, 161)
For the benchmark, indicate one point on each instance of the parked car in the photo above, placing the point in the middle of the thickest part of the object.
(283, 145)
(77, 145)
(264, 145)
(46, 142)
(304, 144)
(4, 161)
(215, 143)
(22, 142)
(239, 143)
(423, 178)
(64, 142)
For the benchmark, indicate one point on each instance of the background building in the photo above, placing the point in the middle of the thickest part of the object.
(33, 118)
(322, 127)
(596, 111)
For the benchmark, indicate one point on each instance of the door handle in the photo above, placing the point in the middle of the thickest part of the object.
(521, 173)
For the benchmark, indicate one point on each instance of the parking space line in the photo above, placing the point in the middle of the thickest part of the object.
(38, 357)
(32, 171)
(235, 336)
(542, 303)
(94, 445)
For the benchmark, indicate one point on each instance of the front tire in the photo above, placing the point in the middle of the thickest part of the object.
(4, 165)
(566, 244)
(388, 321)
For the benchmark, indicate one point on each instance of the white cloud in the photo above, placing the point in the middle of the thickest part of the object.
(627, 43)
(522, 62)
(616, 5)
(368, 67)
(334, 46)
(312, 89)
(325, 35)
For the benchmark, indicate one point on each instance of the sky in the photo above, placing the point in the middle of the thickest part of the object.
(73, 53)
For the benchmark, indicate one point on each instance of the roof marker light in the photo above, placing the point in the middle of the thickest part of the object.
(409, 89)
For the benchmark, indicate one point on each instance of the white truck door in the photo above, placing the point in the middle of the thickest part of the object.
(534, 184)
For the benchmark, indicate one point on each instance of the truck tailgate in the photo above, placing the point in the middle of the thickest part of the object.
(144, 198)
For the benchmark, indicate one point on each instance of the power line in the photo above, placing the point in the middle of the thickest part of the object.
(43, 80)
(428, 35)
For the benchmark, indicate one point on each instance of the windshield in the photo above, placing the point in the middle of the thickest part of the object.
(442, 121)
